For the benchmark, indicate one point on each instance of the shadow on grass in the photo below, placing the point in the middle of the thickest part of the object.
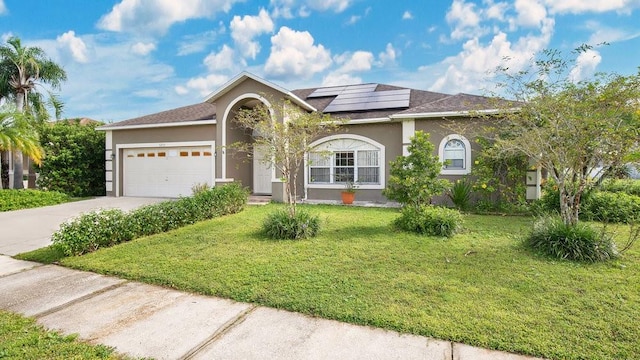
(341, 234)
(45, 255)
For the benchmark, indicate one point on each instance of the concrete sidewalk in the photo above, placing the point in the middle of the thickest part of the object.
(150, 321)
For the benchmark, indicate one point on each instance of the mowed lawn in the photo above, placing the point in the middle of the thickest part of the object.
(479, 287)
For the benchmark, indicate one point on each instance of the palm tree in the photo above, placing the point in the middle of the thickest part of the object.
(17, 134)
(22, 69)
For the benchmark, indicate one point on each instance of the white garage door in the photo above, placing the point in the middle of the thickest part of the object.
(166, 172)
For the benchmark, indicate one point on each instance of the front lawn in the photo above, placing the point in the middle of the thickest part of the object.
(479, 287)
(22, 338)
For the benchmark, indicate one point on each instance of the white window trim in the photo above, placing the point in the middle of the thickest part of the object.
(374, 143)
(467, 155)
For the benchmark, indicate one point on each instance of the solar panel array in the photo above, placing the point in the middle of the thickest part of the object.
(362, 97)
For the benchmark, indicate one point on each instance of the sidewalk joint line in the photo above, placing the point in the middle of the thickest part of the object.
(79, 300)
(225, 328)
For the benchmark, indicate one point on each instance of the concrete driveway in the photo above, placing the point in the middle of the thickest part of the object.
(30, 229)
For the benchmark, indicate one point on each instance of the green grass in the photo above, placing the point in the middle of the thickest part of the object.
(480, 287)
(30, 198)
(22, 338)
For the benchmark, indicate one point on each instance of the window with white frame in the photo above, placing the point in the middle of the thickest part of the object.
(342, 159)
(455, 155)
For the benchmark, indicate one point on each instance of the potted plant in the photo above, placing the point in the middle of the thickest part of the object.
(349, 192)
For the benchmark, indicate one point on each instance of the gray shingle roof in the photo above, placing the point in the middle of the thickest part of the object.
(195, 112)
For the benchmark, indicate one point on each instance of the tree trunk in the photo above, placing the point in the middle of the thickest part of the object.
(568, 208)
(18, 170)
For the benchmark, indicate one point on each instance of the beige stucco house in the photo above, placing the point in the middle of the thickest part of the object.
(165, 154)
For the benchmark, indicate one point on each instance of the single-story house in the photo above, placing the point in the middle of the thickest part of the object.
(167, 153)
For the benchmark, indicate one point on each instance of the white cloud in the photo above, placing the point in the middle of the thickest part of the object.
(181, 90)
(3, 8)
(324, 5)
(73, 44)
(156, 16)
(293, 54)
(334, 79)
(244, 29)
(195, 43)
(205, 85)
(470, 70)
(596, 6)
(223, 60)
(353, 19)
(531, 13)
(358, 61)
(388, 56)
(585, 65)
(602, 33)
(464, 18)
(407, 15)
(141, 48)
(496, 10)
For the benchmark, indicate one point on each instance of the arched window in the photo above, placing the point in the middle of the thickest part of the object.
(455, 155)
(339, 159)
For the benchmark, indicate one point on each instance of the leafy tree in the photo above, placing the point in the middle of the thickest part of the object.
(22, 69)
(413, 178)
(577, 130)
(285, 132)
(74, 158)
(16, 134)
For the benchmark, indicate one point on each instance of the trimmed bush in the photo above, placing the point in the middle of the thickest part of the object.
(11, 199)
(429, 220)
(280, 225)
(551, 236)
(618, 207)
(92, 231)
(460, 194)
(105, 228)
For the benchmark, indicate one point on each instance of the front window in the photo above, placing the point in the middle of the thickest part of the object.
(341, 160)
(455, 155)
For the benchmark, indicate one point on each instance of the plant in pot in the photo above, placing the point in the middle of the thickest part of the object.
(349, 192)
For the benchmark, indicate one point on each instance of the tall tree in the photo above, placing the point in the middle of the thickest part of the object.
(578, 130)
(22, 71)
(16, 134)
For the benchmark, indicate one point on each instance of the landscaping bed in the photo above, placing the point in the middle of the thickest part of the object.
(29, 198)
(480, 287)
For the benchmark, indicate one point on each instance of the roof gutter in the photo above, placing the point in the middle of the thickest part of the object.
(442, 114)
(161, 125)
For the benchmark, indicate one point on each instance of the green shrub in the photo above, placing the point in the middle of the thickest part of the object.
(280, 225)
(581, 242)
(74, 158)
(92, 231)
(11, 199)
(429, 220)
(104, 228)
(460, 194)
(618, 207)
(628, 186)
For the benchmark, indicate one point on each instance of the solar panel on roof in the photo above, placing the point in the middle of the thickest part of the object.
(365, 98)
(340, 90)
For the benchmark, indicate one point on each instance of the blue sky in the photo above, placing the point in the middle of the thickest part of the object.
(134, 57)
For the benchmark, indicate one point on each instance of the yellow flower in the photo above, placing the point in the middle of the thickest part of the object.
(476, 162)
(484, 186)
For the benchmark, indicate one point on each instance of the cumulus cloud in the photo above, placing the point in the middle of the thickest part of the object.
(156, 16)
(388, 56)
(596, 6)
(464, 18)
(469, 70)
(74, 45)
(531, 13)
(3, 8)
(407, 15)
(141, 48)
(585, 65)
(222, 60)
(293, 55)
(205, 85)
(335, 79)
(245, 29)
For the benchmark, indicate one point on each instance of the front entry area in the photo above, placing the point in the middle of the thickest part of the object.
(166, 171)
(261, 172)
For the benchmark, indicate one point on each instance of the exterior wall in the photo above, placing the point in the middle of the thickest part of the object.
(388, 134)
(232, 165)
(156, 136)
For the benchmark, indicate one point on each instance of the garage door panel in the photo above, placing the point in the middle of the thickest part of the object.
(166, 172)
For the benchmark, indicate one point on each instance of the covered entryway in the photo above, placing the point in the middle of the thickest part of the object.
(262, 172)
(166, 171)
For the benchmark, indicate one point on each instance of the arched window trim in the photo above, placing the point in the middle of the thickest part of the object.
(467, 155)
(328, 139)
